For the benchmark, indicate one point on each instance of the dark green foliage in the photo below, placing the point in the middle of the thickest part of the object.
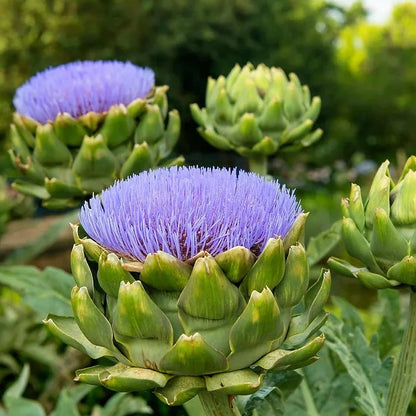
(183, 44)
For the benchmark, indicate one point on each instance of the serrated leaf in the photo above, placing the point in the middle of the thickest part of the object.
(350, 315)
(325, 388)
(370, 376)
(269, 399)
(390, 332)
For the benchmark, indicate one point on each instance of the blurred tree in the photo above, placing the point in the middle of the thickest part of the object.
(364, 73)
(377, 70)
(184, 44)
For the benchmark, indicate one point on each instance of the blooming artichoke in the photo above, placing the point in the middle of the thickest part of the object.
(257, 111)
(192, 280)
(381, 233)
(80, 126)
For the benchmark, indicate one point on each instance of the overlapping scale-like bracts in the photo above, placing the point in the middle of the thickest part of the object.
(74, 154)
(381, 232)
(215, 323)
(257, 112)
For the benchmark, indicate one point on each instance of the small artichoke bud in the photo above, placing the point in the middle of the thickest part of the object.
(385, 241)
(254, 103)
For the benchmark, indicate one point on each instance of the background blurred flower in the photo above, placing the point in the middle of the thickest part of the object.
(80, 87)
(82, 125)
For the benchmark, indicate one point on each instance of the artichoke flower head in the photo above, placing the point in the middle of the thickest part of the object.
(258, 111)
(188, 279)
(78, 127)
(381, 233)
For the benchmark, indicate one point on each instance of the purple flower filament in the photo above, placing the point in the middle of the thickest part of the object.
(183, 211)
(80, 87)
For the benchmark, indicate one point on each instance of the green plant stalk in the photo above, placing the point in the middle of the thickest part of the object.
(307, 397)
(217, 404)
(258, 164)
(403, 379)
(194, 407)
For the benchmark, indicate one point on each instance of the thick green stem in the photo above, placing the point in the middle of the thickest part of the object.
(403, 379)
(258, 164)
(217, 404)
(194, 407)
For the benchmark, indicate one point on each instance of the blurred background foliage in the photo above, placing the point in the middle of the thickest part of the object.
(364, 73)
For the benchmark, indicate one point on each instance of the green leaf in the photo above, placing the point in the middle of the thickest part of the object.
(326, 390)
(122, 404)
(389, 333)
(66, 405)
(44, 291)
(269, 400)
(350, 315)
(24, 407)
(15, 404)
(322, 245)
(18, 387)
(370, 376)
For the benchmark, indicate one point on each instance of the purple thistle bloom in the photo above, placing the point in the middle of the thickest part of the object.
(183, 211)
(80, 87)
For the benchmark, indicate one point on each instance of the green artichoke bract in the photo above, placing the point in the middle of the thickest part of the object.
(258, 111)
(381, 233)
(81, 126)
(182, 324)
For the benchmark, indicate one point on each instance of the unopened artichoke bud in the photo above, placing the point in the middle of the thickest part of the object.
(197, 293)
(81, 126)
(381, 233)
(258, 111)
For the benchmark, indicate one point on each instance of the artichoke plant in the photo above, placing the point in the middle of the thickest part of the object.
(256, 112)
(80, 126)
(381, 233)
(192, 281)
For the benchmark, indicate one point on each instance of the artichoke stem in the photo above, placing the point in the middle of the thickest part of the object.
(307, 396)
(258, 164)
(217, 404)
(194, 407)
(403, 378)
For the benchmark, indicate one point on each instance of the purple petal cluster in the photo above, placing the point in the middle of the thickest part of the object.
(80, 87)
(183, 211)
